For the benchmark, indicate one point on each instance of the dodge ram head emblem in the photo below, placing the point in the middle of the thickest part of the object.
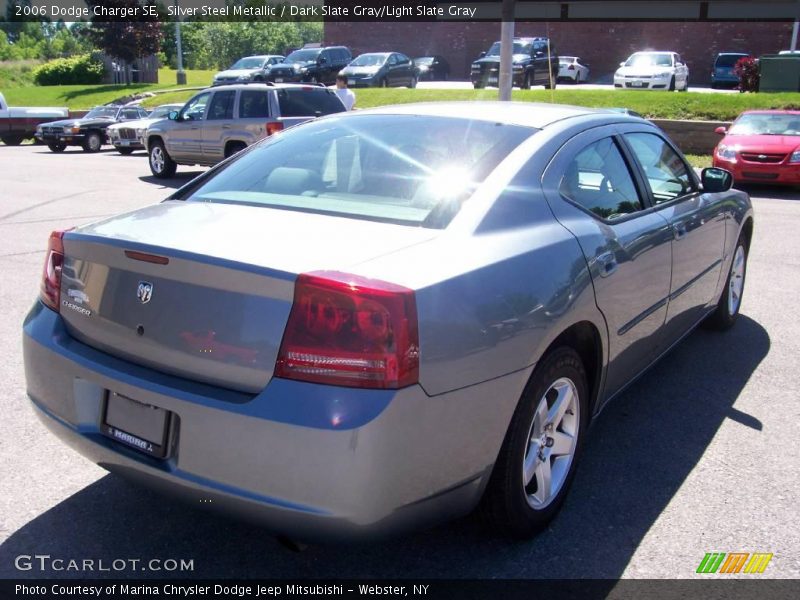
(144, 292)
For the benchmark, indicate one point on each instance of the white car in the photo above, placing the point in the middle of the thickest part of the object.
(129, 135)
(653, 71)
(573, 69)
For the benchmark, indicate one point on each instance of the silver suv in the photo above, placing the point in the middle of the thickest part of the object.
(219, 122)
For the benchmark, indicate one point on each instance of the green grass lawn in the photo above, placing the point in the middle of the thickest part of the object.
(17, 73)
(663, 105)
(699, 161)
(80, 97)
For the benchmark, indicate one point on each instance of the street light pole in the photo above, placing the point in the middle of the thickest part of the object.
(505, 80)
(181, 76)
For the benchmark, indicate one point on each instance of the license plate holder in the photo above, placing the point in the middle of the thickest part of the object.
(637, 84)
(279, 80)
(139, 426)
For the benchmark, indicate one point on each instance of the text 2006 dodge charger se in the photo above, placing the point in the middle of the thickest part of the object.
(378, 320)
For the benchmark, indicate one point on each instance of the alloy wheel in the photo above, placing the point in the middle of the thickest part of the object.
(157, 159)
(552, 441)
(736, 281)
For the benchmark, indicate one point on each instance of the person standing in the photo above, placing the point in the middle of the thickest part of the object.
(346, 95)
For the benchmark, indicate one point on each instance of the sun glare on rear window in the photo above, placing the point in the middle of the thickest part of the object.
(407, 169)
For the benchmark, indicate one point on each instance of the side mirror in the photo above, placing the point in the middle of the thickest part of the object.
(721, 130)
(538, 54)
(716, 180)
(322, 60)
(482, 54)
(622, 64)
(173, 115)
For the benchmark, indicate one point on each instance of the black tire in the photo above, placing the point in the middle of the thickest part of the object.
(125, 151)
(413, 82)
(92, 142)
(57, 147)
(526, 82)
(685, 88)
(550, 86)
(672, 84)
(384, 83)
(477, 86)
(12, 140)
(233, 148)
(505, 504)
(161, 164)
(725, 315)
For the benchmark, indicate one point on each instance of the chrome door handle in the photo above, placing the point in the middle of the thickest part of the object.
(679, 230)
(608, 264)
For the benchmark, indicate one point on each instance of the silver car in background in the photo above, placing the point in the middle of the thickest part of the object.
(128, 136)
(219, 122)
(378, 320)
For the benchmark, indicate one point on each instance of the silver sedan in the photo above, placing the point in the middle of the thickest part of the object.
(378, 320)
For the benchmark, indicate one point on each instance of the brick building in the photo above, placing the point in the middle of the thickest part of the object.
(602, 44)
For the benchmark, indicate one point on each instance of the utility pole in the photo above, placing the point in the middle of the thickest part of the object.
(181, 77)
(505, 80)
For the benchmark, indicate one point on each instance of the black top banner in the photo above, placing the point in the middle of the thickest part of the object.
(398, 10)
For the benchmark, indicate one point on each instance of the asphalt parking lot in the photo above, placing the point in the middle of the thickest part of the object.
(700, 455)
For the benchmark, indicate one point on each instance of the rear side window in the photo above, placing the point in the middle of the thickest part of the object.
(308, 102)
(728, 60)
(253, 104)
(221, 106)
(599, 180)
(664, 170)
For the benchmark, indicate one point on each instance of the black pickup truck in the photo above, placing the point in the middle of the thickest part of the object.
(89, 131)
(529, 64)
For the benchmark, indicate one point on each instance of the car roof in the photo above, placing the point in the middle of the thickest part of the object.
(264, 86)
(376, 54)
(733, 54)
(528, 114)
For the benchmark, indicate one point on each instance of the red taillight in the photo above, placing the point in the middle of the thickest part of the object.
(51, 278)
(351, 331)
(571, 68)
(274, 127)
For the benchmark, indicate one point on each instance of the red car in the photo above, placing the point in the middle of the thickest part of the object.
(762, 146)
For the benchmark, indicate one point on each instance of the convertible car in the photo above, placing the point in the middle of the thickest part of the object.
(378, 320)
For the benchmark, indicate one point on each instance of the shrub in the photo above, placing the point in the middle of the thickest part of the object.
(78, 70)
(746, 69)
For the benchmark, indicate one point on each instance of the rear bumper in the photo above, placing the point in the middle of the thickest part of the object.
(309, 461)
(747, 172)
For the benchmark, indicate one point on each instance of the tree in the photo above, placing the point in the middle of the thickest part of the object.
(125, 40)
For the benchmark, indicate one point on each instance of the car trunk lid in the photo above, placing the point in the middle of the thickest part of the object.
(203, 290)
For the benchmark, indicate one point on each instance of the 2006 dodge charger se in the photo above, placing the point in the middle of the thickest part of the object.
(382, 319)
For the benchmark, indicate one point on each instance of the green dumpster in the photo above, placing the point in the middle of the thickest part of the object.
(779, 73)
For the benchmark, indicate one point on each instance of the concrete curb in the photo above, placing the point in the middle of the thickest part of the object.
(692, 137)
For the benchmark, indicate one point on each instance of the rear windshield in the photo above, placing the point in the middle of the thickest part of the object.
(407, 169)
(308, 102)
(303, 55)
(729, 60)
